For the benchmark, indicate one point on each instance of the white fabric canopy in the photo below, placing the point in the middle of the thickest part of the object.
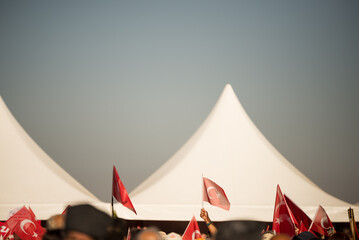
(230, 150)
(30, 177)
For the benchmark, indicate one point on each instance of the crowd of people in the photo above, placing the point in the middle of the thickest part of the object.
(85, 222)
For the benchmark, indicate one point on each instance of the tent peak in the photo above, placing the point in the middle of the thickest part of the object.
(232, 151)
(228, 89)
(227, 93)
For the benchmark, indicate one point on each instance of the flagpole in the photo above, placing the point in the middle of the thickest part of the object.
(112, 211)
(202, 190)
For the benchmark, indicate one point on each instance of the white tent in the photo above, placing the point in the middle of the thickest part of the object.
(231, 151)
(30, 177)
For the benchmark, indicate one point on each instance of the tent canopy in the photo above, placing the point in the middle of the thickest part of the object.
(230, 150)
(30, 177)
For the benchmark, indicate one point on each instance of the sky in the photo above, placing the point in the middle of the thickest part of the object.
(126, 83)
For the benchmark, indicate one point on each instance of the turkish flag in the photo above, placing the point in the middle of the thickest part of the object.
(214, 194)
(119, 191)
(321, 222)
(192, 231)
(298, 215)
(4, 231)
(282, 222)
(24, 224)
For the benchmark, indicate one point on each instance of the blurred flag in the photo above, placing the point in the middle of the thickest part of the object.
(321, 222)
(4, 231)
(215, 195)
(119, 191)
(298, 215)
(24, 224)
(192, 231)
(282, 222)
(302, 228)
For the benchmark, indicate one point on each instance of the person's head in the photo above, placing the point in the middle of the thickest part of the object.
(149, 234)
(238, 231)
(267, 235)
(305, 236)
(117, 230)
(339, 236)
(56, 222)
(162, 234)
(173, 236)
(57, 234)
(85, 222)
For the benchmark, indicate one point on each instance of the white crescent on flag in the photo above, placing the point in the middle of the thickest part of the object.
(22, 224)
(324, 221)
(216, 193)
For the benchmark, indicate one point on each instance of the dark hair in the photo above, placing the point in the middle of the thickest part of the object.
(134, 231)
(117, 230)
(54, 235)
(305, 236)
(238, 231)
(339, 236)
(87, 219)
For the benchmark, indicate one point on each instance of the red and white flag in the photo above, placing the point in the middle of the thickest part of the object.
(192, 231)
(24, 224)
(321, 222)
(119, 191)
(282, 222)
(5, 231)
(297, 215)
(214, 194)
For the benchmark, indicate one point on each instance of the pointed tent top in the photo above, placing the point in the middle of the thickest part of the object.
(228, 94)
(33, 174)
(228, 87)
(229, 149)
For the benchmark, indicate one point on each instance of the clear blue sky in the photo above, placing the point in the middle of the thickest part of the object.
(97, 83)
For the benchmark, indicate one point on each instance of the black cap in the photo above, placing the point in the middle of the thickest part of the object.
(87, 219)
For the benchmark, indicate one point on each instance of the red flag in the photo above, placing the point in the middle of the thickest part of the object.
(215, 195)
(119, 191)
(298, 215)
(24, 224)
(282, 222)
(4, 231)
(356, 230)
(302, 228)
(321, 222)
(192, 231)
